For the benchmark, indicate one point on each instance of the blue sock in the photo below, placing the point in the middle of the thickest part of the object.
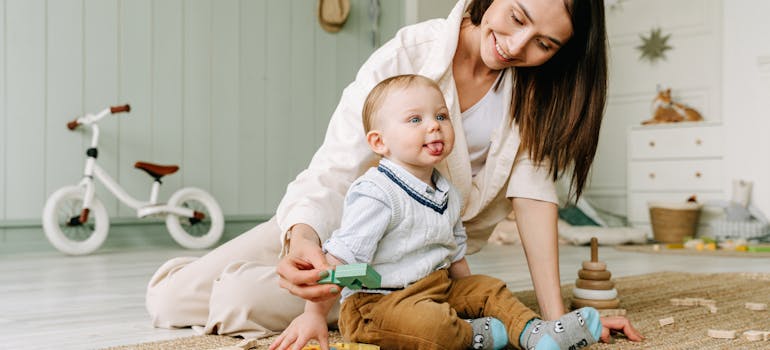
(574, 330)
(488, 334)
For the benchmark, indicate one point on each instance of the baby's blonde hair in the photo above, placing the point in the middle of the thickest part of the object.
(374, 100)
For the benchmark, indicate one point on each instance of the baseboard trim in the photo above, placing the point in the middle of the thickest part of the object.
(31, 223)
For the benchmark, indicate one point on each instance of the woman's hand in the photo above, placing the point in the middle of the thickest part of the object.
(307, 326)
(619, 324)
(304, 265)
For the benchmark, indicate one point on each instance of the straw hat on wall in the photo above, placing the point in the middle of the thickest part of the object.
(332, 14)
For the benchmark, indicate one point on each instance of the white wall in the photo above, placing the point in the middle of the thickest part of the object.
(746, 94)
(237, 92)
(720, 64)
(692, 69)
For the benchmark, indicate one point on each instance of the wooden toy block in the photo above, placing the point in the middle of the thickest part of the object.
(594, 265)
(595, 285)
(721, 334)
(758, 248)
(358, 275)
(690, 301)
(329, 279)
(591, 294)
(754, 335)
(666, 321)
(597, 304)
(344, 346)
(247, 344)
(756, 306)
(244, 344)
(612, 312)
(594, 275)
(353, 276)
(594, 249)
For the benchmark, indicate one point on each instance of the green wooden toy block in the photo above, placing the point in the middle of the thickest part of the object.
(353, 276)
(329, 279)
(759, 248)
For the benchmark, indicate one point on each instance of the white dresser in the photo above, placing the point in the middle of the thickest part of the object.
(671, 162)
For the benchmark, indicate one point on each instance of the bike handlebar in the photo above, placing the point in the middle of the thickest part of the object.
(72, 125)
(119, 109)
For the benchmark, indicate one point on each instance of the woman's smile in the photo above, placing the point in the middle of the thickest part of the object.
(501, 53)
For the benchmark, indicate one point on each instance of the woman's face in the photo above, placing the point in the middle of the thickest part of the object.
(523, 33)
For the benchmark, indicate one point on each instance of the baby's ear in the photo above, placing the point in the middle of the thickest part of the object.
(374, 139)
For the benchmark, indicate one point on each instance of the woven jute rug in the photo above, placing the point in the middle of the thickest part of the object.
(650, 249)
(646, 299)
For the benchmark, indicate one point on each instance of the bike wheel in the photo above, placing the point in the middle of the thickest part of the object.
(195, 233)
(68, 235)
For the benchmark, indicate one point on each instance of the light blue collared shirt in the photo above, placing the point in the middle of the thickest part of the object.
(404, 228)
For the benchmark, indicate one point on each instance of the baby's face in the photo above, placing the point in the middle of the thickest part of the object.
(415, 126)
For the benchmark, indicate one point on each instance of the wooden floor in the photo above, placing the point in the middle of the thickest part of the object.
(49, 301)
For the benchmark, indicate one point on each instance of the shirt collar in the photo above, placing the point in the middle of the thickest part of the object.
(416, 188)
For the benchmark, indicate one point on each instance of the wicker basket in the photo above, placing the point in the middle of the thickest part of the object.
(672, 222)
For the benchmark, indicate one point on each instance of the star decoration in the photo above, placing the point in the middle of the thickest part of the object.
(654, 47)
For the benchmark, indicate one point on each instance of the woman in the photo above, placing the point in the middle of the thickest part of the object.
(525, 81)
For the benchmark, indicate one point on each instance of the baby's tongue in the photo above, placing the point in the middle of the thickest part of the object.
(435, 147)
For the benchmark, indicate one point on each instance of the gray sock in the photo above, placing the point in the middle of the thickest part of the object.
(488, 334)
(574, 330)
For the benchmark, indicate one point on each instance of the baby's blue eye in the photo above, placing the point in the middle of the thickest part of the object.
(414, 120)
(441, 117)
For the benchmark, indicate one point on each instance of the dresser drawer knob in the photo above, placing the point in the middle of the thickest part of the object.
(652, 143)
(698, 174)
(698, 142)
(652, 175)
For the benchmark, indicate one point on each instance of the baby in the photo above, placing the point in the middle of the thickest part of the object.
(403, 218)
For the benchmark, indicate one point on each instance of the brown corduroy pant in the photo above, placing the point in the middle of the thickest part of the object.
(429, 313)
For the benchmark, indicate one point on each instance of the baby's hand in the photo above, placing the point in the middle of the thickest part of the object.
(305, 327)
(619, 324)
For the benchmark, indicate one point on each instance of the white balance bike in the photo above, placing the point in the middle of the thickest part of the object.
(76, 222)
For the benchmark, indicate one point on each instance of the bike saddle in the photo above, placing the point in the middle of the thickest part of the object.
(155, 170)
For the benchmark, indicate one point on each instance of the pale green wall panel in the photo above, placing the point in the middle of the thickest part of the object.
(196, 125)
(64, 93)
(326, 94)
(253, 119)
(167, 121)
(237, 92)
(302, 85)
(224, 103)
(136, 134)
(278, 105)
(25, 107)
(3, 108)
(348, 48)
(100, 90)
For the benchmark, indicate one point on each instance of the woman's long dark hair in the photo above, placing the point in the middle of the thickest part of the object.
(558, 105)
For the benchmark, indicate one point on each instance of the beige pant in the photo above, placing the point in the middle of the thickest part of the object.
(232, 290)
